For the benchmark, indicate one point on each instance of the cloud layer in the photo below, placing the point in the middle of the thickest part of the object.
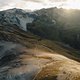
(31, 4)
(46, 0)
(8, 4)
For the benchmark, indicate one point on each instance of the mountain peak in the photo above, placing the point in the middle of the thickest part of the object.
(15, 10)
(17, 17)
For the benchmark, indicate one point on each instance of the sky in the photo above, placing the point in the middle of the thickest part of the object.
(38, 4)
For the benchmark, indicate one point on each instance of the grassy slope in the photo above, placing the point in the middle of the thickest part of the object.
(33, 41)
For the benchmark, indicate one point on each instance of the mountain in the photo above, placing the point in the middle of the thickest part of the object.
(29, 55)
(17, 17)
(58, 24)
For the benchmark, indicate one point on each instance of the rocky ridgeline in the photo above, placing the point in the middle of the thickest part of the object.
(17, 17)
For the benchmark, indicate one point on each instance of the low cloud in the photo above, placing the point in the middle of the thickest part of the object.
(8, 4)
(31, 4)
(35, 0)
(46, 0)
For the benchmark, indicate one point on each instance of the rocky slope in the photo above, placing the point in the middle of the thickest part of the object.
(17, 17)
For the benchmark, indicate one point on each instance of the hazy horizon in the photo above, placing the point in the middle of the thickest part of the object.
(39, 4)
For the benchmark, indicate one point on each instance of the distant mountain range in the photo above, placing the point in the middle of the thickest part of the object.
(53, 23)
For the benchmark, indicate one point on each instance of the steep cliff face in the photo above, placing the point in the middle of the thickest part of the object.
(16, 17)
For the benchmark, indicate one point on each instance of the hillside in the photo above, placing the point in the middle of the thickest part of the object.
(58, 24)
(25, 55)
(22, 54)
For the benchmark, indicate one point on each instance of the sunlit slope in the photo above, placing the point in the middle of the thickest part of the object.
(35, 64)
(25, 56)
(14, 34)
(59, 68)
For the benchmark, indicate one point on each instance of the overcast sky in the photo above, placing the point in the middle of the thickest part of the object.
(35, 4)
